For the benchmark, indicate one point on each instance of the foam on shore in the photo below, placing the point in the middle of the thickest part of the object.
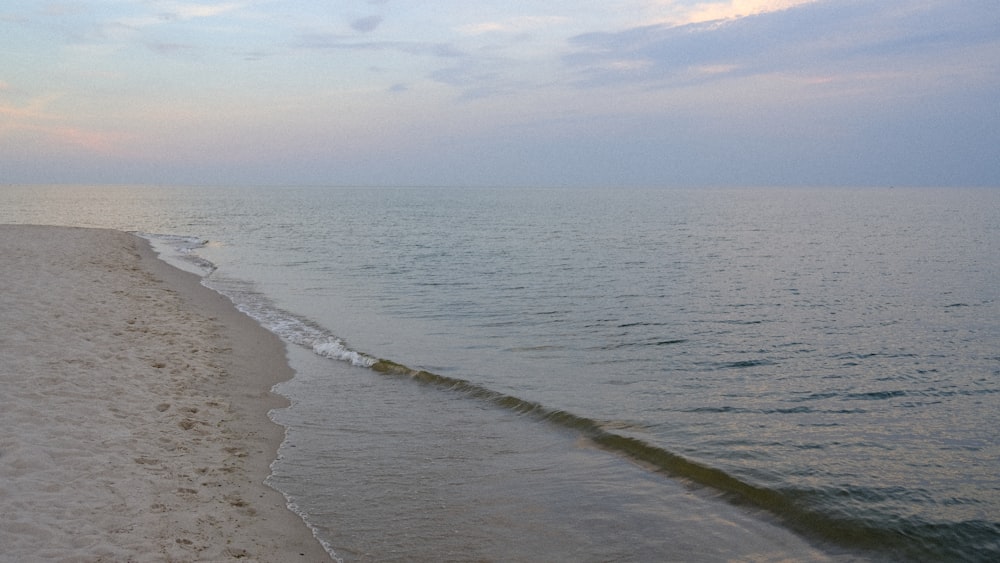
(134, 406)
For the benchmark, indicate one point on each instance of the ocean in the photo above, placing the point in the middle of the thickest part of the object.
(611, 374)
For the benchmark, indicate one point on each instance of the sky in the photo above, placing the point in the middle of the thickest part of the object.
(501, 93)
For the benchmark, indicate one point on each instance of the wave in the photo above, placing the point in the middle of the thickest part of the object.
(290, 327)
(907, 538)
(180, 251)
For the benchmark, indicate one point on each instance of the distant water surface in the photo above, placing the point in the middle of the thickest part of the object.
(568, 363)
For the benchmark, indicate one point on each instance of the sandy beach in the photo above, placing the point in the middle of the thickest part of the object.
(134, 406)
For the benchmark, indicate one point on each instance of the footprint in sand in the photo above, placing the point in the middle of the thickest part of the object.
(188, 423)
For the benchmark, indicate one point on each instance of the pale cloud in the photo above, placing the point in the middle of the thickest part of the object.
(63, 9)
(122, 30)
(167, 48)
(716, 69)
(34, 119)
(95, 141)
(13, 18)
(333, 42)
(367, 24)
(710, 11)
(512, 25)
(187, 11)
(132, 25)
(34, 110)
(673, 12)
(483, 27)
(626, 66)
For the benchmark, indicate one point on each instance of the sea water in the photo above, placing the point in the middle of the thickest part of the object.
(611, 374)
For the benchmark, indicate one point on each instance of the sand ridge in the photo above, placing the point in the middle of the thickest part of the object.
(133, 402)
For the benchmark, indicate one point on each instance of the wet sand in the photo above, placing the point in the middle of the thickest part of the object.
(134, 406)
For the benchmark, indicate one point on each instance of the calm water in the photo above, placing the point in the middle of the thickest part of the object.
(603, 374)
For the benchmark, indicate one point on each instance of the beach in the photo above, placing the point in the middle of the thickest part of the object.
(134, 403)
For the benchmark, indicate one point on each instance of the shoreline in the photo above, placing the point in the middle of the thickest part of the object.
(137, 402)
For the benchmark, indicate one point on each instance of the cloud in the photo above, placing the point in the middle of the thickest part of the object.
(168, 48)
(520, 24)
(33, 111)
(366, 25)
(812, 36)
(333, 42)
(728, 9)
(14, 18)
(484, 75)
(465, 73)
(257, 55)
(35, 119)
(64, 9)
(95, 141)
(188, 11)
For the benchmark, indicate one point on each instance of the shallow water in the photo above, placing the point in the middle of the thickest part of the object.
(389, 470)
(829, 357)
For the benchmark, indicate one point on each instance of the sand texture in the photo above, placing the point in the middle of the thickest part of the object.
(133, 404)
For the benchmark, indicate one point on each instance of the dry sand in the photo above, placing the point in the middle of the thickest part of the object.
(133, 408)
